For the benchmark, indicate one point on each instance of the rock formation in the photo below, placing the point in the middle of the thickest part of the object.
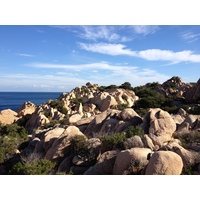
(70, 130)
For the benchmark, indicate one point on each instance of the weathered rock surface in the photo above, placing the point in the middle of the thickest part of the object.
(61, 146)
(8, 116)
(51, 136)
(159, 125)
(164, 163)
(131, 161)
(104, 165)
(26, 108)
(193, 93)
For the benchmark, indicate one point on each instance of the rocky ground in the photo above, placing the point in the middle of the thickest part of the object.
(95, 130)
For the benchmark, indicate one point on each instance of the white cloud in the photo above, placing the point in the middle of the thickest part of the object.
(166, 55)
(190, 37)
(145, 30)
(98, 32)
(149, 54)
(24, 54)
(105, 74)
(105, 48)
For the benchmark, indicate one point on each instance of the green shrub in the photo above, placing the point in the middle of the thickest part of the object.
(126, 86)
(132, 131)
(59, 104)
(115, 140)
(52, 123)
(124, 97)
(149, 98)
(120, 106)
(111, 87)
(11, 136)
(77, 100)
(79, 144)
(41, 167)
(102, 88)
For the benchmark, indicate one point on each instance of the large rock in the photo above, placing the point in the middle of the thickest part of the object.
(104, 165)
(61, 147)
(107, 103)
(65, 165)
(8, 116)
(26, 108)
(74, 118)
(159, 124)
(193, 93)
(148, 143)
(95, 125)
(132, 142)
(131, 161)
(108, 126)
(164, 163)
(51, 136)
(129, 114)
(84, 121)
(36, 120)
(189, 157)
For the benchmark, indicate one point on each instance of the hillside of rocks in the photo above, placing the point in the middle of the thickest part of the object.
(152, 129)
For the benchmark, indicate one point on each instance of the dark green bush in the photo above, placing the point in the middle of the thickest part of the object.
(52, 123)
(41, 167)
(126, 86)
(149, 98)
(132, 131)
(77, 100)
(11, 136)
(120, 106)
(115, 140)
(59, 104)
(79, 144)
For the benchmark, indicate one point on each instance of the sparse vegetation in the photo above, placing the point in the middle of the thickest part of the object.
(11, 136)
(41, 167)
(116, 141)
(59, 104)
(79, 144)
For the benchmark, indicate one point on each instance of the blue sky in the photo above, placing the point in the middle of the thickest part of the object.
(59, 58)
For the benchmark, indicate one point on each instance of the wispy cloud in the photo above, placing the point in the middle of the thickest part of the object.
(105, 73)
(108, 33)
(24, 55)
(105, 48)
(190, 36)
(149, 54)
(145, 30)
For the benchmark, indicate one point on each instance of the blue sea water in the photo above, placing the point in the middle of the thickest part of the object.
(13, 100)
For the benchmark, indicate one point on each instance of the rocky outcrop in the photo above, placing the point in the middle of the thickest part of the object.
(51, 136)
(26, 108)
(193, 93)
(164, 163)
(104, 165)
(8, 116)
(61, 146)
(131, 161)
(159, 125)
(78, 120)
(175, 87)
(36, 120)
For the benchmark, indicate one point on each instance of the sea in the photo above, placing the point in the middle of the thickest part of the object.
(13, 100)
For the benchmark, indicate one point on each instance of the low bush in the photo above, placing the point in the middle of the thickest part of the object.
(11, 136)
(79, 144)
(59, 104)
(132, 131)
(41, 167)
